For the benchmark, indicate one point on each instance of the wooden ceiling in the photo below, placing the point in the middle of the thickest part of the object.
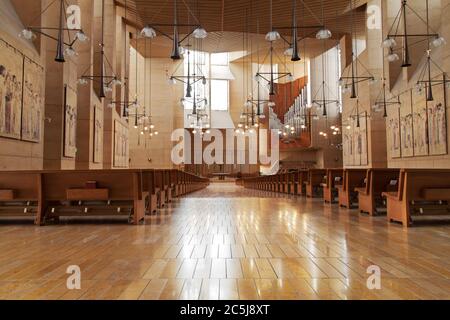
(226, 20)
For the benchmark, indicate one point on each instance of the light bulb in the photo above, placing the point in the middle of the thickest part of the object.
(200, 33)
(272, 36)
(81, 36)
(208, 131)
(194, 131)
(148, 32)
(152, 126)
(392, 57)
(151, 134)
(145, 128)
(237, 130)
(438, 41)
(240, 125)
(334, 133)
(172, 80)
(27, 34)
(142, 132)
(323, 34)
(156, 133)
(256, 125)
(348, 127)
(389, 43)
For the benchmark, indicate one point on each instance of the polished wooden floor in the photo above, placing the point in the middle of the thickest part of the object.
(227, 242)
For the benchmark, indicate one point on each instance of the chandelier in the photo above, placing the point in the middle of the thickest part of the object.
(106, 82)
(151, 30)
(401, 20)
(62, 47)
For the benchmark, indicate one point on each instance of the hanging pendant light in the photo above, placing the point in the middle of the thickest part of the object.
(295, 55)
(60, 45)
(176, 45)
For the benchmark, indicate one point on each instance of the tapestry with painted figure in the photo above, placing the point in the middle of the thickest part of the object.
(406, 126)
(70, 123)
(437, 122)
(33, 101)
(11, 79)
(98, 134)
(393, 132)
(420, 125)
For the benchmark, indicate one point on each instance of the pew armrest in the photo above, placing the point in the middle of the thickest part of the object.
(390, 195)
(361, 190)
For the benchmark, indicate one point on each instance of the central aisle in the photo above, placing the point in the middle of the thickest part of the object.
(227, 242)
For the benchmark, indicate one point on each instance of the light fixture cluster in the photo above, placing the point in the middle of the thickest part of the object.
(151, 31)
(400, 23)
(62, 47)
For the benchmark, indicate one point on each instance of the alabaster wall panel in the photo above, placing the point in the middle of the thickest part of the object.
(393, 132)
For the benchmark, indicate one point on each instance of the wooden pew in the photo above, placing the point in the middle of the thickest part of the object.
(111, 192)
(377, 182)
(301, 177)
(292, 184)
(333, 179)
(313, 184)
(420, 192)
(352, 178)
(284, 183)
(159, 188)
(21, 195)
(149, 191)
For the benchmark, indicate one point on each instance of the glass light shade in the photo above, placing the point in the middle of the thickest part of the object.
(70, 51)
(111, 105)
(290, 77)
(108, 89)
(323, 34)
(288, 52)
(392, 57)
(389, 43)
(172, 80)
(341, 82)
(82, 81)
(438, 41)
(116, 82)
(271, 104)
(273, 36)
(81, 36)
(200, 33)
(373, 81)
(148, 32)
(27, 34)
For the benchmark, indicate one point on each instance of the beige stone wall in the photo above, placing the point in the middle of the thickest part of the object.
(16, 154)
(440, 16)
